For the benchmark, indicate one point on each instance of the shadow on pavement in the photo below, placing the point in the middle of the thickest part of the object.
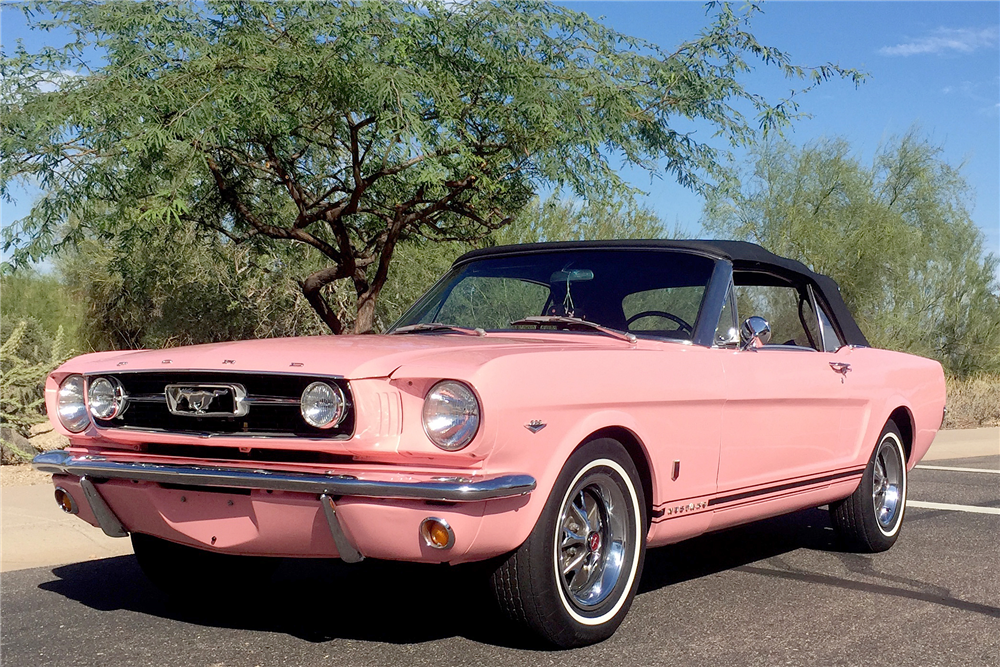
(321, 600)
(742, 545)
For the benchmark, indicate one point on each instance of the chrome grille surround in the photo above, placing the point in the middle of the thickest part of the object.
(231, 403)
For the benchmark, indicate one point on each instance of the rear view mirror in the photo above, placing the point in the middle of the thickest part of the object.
(571, 276)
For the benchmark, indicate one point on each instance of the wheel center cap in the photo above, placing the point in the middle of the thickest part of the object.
(593, 541)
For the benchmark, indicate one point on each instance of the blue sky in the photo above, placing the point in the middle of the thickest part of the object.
(931, 65)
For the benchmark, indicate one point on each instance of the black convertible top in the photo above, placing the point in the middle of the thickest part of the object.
(741, 254)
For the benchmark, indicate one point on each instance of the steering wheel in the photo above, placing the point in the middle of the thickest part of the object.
(682, 325)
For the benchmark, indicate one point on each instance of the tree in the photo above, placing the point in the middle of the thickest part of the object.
(348, 127)
(897, 235)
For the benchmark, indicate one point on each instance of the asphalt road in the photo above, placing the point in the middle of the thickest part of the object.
(777, 592)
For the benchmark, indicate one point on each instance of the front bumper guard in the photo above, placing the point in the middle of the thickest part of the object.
(327, 487)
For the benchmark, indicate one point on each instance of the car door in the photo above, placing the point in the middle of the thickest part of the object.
(794, 410)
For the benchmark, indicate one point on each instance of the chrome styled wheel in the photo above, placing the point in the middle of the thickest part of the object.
(591, 542)
(572, 581)
(870, 518)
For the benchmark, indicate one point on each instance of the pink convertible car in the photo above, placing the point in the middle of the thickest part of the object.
(554, 409)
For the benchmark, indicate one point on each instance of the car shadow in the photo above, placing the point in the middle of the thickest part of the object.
(321, 600)
(738, 546)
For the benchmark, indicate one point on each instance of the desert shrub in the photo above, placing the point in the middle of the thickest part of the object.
(973, 402)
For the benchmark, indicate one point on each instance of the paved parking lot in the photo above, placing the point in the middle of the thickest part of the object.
(778, 592)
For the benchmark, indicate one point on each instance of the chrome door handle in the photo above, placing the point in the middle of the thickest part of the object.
(840, 367)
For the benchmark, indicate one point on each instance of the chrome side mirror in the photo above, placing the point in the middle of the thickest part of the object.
(754, 333)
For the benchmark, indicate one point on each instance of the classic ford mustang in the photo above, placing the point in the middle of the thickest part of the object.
(550, 409)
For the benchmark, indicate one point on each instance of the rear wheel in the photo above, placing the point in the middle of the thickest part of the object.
(870, 519)
(184, 571)
(573, 580)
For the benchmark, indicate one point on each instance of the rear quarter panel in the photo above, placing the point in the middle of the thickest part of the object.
(906, 381)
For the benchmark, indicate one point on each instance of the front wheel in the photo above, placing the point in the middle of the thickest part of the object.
(869, 520)
(572, 582)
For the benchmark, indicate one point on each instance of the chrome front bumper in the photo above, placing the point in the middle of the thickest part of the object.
(450, 489)
(92, 469)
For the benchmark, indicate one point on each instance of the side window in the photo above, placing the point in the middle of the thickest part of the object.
(831, 341)
(727, 331)
(787, 308)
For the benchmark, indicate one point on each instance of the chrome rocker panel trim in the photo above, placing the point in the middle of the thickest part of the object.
(99, 468)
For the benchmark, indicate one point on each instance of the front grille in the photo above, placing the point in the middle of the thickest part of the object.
(272, 400)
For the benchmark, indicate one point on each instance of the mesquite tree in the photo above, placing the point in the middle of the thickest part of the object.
(348, 127)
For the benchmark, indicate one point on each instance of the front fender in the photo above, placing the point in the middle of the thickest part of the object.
(542, 454)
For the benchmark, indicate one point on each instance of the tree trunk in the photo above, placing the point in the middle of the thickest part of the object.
(365, 322)
(312, 289)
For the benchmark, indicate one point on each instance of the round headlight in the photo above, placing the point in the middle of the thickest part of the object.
(322, 405)
(72, 408)
(451, 415)
(106, 398)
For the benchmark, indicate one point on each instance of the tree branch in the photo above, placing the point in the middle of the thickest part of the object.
(231, 198)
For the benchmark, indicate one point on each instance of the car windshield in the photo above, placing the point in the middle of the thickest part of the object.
(652, 293)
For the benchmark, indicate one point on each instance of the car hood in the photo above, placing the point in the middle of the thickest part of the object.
(352, 357)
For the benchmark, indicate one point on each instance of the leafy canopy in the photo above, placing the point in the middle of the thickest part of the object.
(348, 127)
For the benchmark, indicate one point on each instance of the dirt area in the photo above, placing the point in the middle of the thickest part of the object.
(42, 439)
(22, 475)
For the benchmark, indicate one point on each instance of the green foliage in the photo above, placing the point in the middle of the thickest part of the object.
(42, 297)
(349, 127)
(896, 235)
(561, 219)
(27, 355)
(183, 289)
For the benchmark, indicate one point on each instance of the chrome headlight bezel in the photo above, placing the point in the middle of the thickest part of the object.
(111, 394)
(451, 415)
(315, 394)
(71, 404)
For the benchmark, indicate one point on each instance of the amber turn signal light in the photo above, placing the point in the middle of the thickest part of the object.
(437, 533)
(65, 501)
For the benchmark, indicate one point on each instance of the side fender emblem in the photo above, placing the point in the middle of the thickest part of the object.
(535, 425)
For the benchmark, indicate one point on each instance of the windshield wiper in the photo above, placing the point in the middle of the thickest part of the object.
(540, 320)
(437, 326)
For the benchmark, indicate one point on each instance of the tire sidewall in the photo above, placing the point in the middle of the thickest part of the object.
(891, 436)
(602, 613)
(573, 626)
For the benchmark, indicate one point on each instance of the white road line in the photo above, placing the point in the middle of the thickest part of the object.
(951, 469)
(953, 508)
